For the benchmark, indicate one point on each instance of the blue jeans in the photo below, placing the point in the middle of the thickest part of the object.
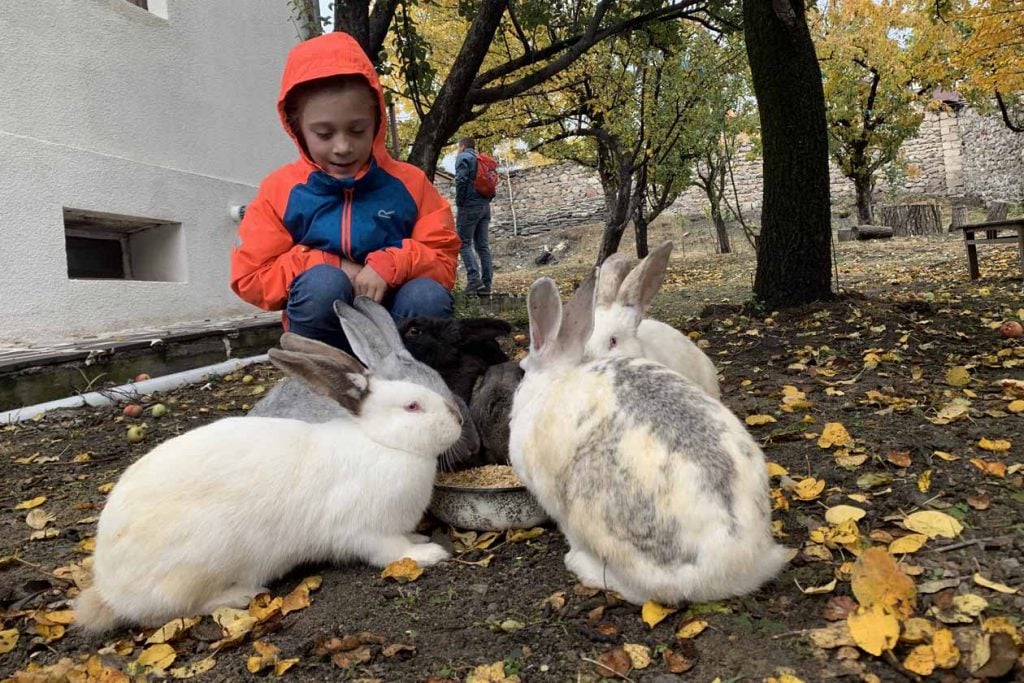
(472, 223)
(310, 307)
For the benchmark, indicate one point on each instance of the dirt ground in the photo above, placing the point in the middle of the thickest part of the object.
(908, 361)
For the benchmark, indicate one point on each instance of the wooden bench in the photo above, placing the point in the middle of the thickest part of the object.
(988, 232)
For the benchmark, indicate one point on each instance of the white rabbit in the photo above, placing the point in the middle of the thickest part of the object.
(620, 328)
(659, 489)
(210, 517)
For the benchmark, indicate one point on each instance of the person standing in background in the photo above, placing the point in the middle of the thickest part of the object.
(476, 179)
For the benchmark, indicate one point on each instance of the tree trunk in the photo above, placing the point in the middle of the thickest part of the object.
(721, 231)
(912, 219)
(863, 188)
(794, 260)
(958, 218)
(353, 17)
(447, 112)
(640, 227)
(871, 232)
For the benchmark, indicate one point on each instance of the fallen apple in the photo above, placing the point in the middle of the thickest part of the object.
(1011, 329)
(142, 377)
(135, 434)
(520, 339)
(159, 410)
(248, 379)
(132, 410)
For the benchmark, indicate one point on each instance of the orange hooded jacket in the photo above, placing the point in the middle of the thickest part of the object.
(390, 217)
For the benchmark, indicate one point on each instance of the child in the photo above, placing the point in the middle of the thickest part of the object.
(345, 219)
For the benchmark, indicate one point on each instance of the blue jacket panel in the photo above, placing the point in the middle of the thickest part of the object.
(351, 217)
(465, 172)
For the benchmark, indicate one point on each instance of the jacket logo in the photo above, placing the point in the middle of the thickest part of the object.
(385, 214)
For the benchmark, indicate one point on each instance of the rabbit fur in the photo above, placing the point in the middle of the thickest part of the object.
(374, 338)
(491, 407)
(620, 328)
(460, 350)
(208, 518)
(659, 489)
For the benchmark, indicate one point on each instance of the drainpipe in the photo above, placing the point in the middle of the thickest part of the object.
(132, 390)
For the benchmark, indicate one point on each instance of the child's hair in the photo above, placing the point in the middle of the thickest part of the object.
(298, 94)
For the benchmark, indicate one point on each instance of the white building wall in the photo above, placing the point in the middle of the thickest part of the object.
(109, 108)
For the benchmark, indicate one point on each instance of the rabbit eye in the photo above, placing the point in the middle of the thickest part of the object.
(413, 407)
(613, 342)
(413, 332)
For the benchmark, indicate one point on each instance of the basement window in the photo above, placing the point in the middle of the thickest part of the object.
(157, 7)
(102, 246)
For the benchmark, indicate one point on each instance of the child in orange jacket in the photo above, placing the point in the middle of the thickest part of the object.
(345, 219)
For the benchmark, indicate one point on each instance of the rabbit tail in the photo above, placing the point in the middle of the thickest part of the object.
(93, 613)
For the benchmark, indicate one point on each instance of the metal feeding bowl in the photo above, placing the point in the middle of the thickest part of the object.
(486, 509)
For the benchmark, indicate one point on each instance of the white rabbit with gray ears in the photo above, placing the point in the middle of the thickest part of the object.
(659, 489)
(620, 328)
(208, 518)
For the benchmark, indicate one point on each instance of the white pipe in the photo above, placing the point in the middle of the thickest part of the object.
(132, 390)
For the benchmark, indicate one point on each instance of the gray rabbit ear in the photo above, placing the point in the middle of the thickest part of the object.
(362, 335)
(578, 318)
(644, 281)
(382, 320)
(613, 272)
(545, 310)
(336, 375)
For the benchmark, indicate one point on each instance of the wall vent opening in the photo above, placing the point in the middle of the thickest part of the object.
(102, 246)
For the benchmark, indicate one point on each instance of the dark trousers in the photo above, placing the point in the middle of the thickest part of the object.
(472, 223)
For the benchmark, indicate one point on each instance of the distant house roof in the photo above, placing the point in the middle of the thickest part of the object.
(950, 97)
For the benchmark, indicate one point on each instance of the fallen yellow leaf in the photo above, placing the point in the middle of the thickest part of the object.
(996, 445)
(31, 503)
(920, 660)
(282, 665)
(840, 513)
(758, 420)
(993, 468)
(933, 524)
(1016, 406)
(157, 657)
(653, 614)
(402, 571)
(691, 628)
(947, 654)
(299, 598)
(988, 583)
(491, 673)
(958, 376)
(639, 655)
(194, 669)
(38, 518)
(818, 590)
(834, 434)
(172, 630)
(266, 655)
(518, 535)
(877, 580)
(809, 488)
(874, 629)
(948, 457)
(832, 636)
(776, 470)
(924, 481)
(265, 607)
(8, 639)
(910, 543)
(235, 623)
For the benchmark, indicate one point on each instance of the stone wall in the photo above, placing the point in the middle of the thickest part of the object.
(956, 154)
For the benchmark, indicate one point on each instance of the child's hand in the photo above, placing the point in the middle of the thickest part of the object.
(369, 283)
(350, 268)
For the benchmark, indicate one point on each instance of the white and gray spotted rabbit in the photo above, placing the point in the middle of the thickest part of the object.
(620, 328)
(659, 489)
(210, 517)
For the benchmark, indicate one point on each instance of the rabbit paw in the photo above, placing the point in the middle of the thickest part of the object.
(418, 538)
(427, 554)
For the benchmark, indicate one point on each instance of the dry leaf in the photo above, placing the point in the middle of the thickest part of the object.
(948, 457)
(491, 673)
(615, 662)
(874, 629)
(172, 630)
(808, 489)
(924, 481)
(31, 503)
(758, 420)
(947, 655)
(878, 581)
(776, 470)
(38, 518)
(1002, 658)
(1016, 406)
(933, 524)
(691, 628)
(518, 535)
(282, 665)
(266, 655)
(910, 543)
(157, 657)
(653, 614)
(193, 669)
(982, 501)
(264, 607)
(838, 608)
(818, 590)
(235, 623)
(995, 445)
(988, 583)
(681, 660)
(899, 458)
(402, 571)
(916, 630)
(299, 598)
(958, 376)
(834, 434)
(920, 660)
(993, 468)
(841, 513)
(834, 635)
(8, 639)
(639, 655)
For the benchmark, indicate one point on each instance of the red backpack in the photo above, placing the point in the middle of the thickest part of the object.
(486, 180)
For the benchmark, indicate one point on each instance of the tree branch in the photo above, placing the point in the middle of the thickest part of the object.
(1004, 110)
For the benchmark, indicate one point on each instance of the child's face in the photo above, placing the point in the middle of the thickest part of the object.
(338, 128)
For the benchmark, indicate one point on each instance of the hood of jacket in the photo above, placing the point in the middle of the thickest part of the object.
(332, 54)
